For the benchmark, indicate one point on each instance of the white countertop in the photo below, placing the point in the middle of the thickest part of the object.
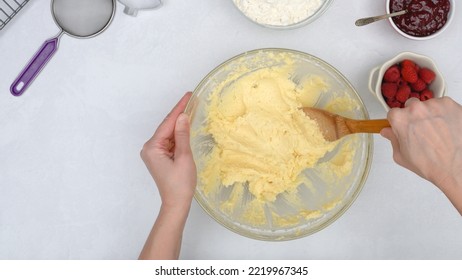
(72, 184)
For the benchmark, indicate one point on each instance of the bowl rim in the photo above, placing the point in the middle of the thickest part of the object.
(441, 30)
(380, 70)
(369, 146)
(321, 10)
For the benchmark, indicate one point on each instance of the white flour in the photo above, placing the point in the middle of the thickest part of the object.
(278, 12)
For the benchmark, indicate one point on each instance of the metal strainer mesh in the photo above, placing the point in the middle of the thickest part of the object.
(82, 18)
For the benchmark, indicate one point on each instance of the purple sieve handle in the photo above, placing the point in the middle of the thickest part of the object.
(35, 65)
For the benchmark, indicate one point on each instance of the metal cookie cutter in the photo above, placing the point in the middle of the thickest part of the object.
(133, 6)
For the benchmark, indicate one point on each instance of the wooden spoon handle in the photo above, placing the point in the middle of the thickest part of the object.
(367, 126)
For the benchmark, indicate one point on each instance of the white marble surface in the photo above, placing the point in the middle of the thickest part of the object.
(72, 185)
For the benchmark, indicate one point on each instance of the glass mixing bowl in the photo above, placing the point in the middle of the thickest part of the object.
(324, 197)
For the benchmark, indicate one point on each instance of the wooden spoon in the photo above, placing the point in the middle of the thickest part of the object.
(334, 127)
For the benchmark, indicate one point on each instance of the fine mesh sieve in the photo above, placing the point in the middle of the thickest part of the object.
(76, 18)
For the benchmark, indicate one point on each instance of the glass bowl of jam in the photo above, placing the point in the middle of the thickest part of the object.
(425, 19)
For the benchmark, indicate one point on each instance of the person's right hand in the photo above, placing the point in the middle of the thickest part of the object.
(427, 139)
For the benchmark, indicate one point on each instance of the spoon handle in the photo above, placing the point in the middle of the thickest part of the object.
(364, 21)
(366, 126)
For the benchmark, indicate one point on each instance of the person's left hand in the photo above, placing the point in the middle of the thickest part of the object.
(169, 159)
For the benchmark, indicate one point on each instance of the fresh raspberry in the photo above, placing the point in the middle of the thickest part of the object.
(407, 63)
(414, 94)
(403, 94)
(427, 75)
(406, 89)
(409, 74)
(419, 85)
(393, 103)
(402, 82)
(426, 94)
(392, 74)
(389, 90)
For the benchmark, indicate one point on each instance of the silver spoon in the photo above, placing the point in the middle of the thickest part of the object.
(364, 21)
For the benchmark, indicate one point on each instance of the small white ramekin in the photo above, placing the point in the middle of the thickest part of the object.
(450, 16)
(438, 86)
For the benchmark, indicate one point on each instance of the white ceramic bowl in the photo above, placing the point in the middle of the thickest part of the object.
(450, 16)
(438, 86)
(322, 8)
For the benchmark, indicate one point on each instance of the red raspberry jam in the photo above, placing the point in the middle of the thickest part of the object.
(424, 17)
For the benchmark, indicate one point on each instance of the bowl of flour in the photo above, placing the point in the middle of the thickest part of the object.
(282, 14)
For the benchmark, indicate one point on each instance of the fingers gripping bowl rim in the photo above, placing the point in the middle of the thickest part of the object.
(348, 188)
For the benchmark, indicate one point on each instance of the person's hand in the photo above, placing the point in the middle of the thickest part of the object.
(169, 159)
(427, 139)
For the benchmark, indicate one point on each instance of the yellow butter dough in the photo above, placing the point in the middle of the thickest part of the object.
(262, 137)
